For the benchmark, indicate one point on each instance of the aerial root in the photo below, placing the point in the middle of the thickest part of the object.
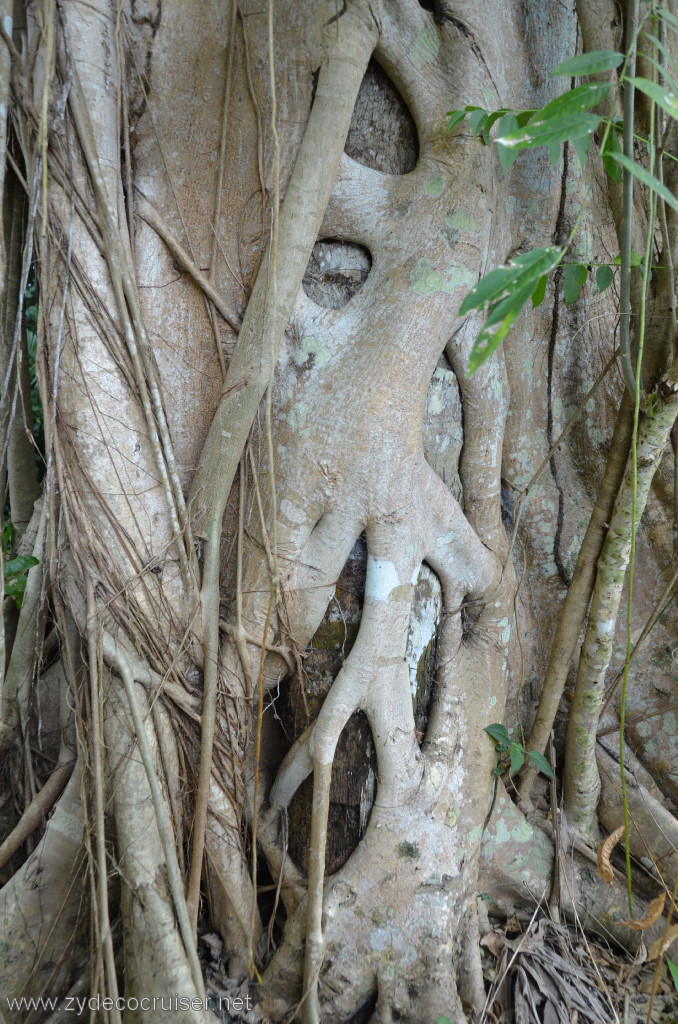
(232, 897)
(36, 811)
(40, 905)
(158, 942)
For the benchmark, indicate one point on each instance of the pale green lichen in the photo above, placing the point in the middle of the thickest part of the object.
(426, 279)
(425, 48)
(434, 186)
(296, 417)
(435, 402)
(310, 346)
(523, 832)
(474, 834)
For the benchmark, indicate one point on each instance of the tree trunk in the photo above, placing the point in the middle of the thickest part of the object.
(276, 505)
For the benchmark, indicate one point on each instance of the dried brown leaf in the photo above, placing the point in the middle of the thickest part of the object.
(654, 912)
(659, 947)
(603, 856)
(494, 942)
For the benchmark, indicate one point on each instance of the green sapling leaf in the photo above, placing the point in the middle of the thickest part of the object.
(574, 277)
(491, 119)
(540, 291)
(575, 101)
(635, 261)
(668, 101)
(498, 732)
(540, 763)
(582, 144)
(7, 535)
(455, 116)
(509, 123)
(477, 120)
(20, 564)
(547, 131)
(505, 281)
(648, 179)
(517, 756)
(608, 152)
(604, 276)
(589, 63)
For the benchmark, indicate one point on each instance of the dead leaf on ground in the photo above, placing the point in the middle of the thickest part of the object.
(603, 856)
(547, 986)
(493, 942)
(654, 912)
(659, 947)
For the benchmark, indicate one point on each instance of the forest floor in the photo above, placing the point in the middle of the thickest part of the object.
(552, 974)
(536, 972)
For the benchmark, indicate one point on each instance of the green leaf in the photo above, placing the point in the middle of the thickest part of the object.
(554, 154)
(589, 63)
(477, 120)
(507, 289)
(442, 1019)
(15, 588)
(517, 755)
(509, 123)
(503, 281)
(635, 261)
(673, 968)
(604, 277)
(523, 116)
(581, 144)
(540, 763)
(575, 101)
(662, 68)
(500, 320)
(7, 535)
(611, 147)
(491, 119)
(498, 732)
(546, 132)
(647, 179)
(540, 291)
(667, 16)
(666, 100)
(455, 116)
(573, 279)
(20, 564)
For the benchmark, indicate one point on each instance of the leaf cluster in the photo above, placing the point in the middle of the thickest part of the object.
(504, 292)
(515, 751)
(15, 569)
